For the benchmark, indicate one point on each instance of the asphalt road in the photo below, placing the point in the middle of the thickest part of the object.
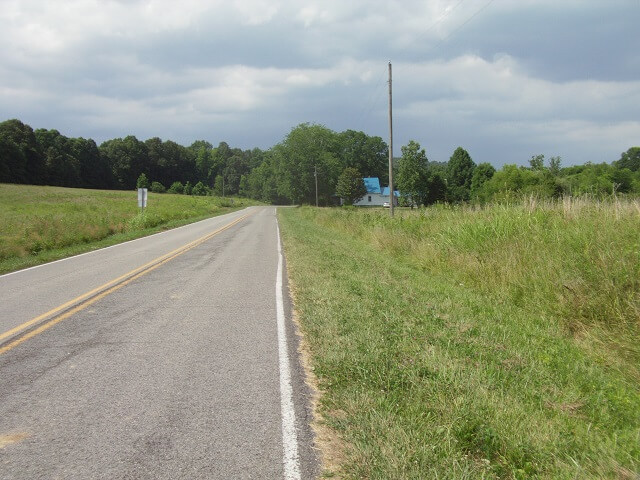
(151, 361)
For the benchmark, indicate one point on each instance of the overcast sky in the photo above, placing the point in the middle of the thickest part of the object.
(504, 79)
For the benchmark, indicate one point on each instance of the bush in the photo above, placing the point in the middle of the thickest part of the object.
(176, 187)
(157, 187)
(143, 181)
(201, 189)
(188, 188)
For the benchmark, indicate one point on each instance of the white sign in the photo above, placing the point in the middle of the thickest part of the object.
(142, 197)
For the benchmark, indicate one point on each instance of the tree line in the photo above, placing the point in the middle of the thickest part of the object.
(283, 174)
(46, 157)
(288, 172)
(461, 180)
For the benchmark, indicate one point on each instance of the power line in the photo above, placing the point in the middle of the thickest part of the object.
(447, 37)
(376, 94)
(374, 97)
(438, 21)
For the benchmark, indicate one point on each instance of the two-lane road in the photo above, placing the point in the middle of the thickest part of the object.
(168, 357)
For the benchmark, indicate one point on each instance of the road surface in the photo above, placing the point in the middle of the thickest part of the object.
(168, 357)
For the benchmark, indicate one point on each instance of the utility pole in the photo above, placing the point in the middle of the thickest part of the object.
(391, 196)
(315, 174)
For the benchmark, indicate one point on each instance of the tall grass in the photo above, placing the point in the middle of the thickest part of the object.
(467, 342)
(42, 223)
(575, 259)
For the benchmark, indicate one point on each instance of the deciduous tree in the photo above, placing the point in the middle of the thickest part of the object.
(21, 161)
(369, 155)
(142, 182)
(459, 175)
(351, 187)
(630, 159)
(481, 175)
(412, 172)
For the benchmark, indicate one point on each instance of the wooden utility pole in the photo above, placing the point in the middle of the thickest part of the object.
(391, 196)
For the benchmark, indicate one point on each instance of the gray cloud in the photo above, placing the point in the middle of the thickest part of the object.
(507, 81)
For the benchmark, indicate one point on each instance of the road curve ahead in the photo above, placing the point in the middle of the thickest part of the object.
(164, 358)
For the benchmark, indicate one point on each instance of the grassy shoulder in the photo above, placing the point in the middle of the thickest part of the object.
(460, 343)
(41, 224)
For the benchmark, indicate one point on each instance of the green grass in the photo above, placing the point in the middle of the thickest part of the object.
(41, 224)
(474, 343)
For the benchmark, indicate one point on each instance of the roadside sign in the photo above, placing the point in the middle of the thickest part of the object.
(142, 197)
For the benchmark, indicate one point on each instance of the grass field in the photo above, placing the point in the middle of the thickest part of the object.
(466, 343)
(40, 224)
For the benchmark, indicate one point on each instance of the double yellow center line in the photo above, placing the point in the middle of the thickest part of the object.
(74, 306)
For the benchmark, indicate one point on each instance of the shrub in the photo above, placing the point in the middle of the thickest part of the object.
(226, 202)
(176, 187)
(201, 189)
(143, 181)
(157, 187)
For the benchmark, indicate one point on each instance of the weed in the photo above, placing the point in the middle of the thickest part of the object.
(494, 342)
(39, 224)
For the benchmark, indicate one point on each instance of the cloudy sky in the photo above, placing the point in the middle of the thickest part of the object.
(505, 79)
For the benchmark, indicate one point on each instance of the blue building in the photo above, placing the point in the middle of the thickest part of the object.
(376, 196)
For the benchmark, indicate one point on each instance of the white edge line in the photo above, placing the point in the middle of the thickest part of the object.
(289, 436)
(116, 245)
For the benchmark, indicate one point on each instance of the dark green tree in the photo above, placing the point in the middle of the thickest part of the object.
(630, 159)
(235, 167)
(459, 175)
(219, 186)
(13, 164)
(218, 162)
(200, 189)
(168, 161)
(142, 182)
(369, 155)
(436, 188)
(536, 162)
(176, 187)
(554, 165)
(61, 161)
(350, 187)
(94, 168)
(203, 152)
(128, 158)
(263, 183)
(158, 187)
(243, 187)
(622, 179)
(306, 150)
(481, 175)
(411, 178)
(21, 160)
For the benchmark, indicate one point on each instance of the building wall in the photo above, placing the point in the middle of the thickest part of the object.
(371, 200)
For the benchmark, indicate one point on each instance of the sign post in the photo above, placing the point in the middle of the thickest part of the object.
(142, 198)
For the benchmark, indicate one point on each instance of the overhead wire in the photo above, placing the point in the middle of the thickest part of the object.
(463, 24)
(444, 15)
(377, 93)
(373, 97)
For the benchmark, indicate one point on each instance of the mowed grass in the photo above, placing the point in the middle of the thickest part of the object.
(39, 224)
(465, 343)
